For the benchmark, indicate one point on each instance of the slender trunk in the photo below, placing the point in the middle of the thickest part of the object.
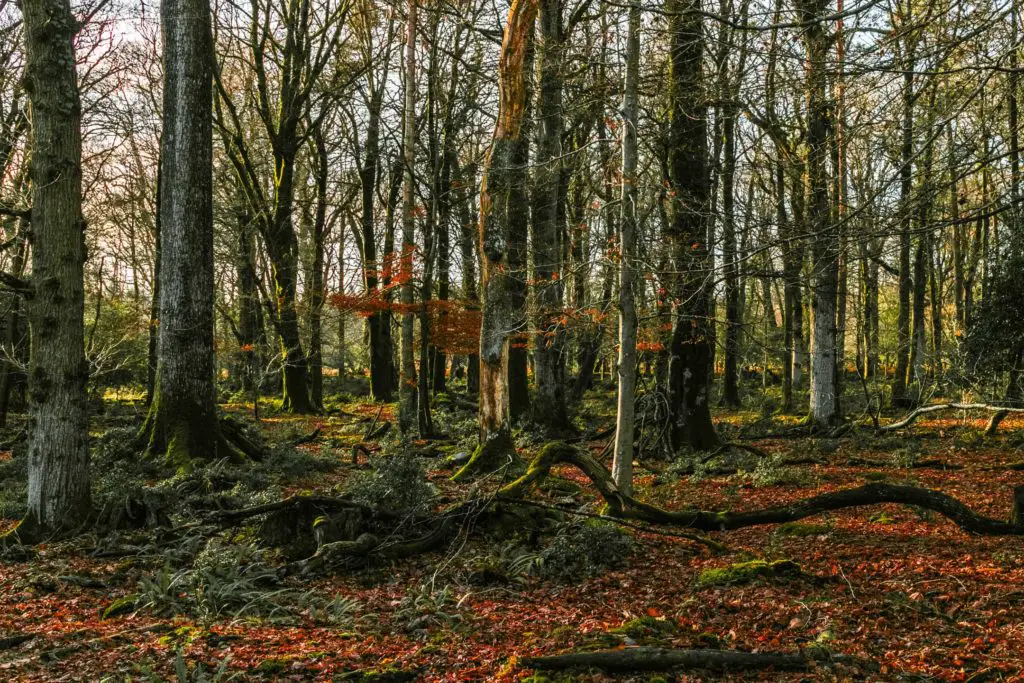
(903, 332)
(730, 263)
(378, 323)
(407, 377)
(622, 462)
(316, 284)
(466, 180)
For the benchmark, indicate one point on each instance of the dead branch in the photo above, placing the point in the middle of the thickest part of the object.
(662, 659)
(938, 407)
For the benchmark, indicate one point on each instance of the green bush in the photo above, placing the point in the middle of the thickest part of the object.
(583, 549)
(397, 483)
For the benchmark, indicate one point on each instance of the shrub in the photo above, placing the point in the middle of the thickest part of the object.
(583, 549)
(397, 483)
(773, 472)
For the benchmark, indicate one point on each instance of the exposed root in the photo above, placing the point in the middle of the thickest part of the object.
(621, 505)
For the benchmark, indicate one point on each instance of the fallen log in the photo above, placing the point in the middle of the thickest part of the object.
(663, 659)
(938, 407)
(621, 505)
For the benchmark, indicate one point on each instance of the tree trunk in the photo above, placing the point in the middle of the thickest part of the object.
(503, 174)
(316, 283)
(182, 422)
(549, 404)
(58, 455)
(690, 349)
(622, 463)
(903, 333)
(378, 323)
(824, 395)
(407, 388)
(466, 180)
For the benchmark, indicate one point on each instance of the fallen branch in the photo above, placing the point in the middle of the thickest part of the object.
(13, 641)
(925, 410)
(661, 659)
(308, 438)
(321, 503)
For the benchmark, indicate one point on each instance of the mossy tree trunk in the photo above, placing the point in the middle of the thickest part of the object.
(182, 423)
(498, 193)
(58, 456)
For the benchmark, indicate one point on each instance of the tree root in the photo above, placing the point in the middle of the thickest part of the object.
(298, 503)
(662, 659)
(621, 505)
(368, 546)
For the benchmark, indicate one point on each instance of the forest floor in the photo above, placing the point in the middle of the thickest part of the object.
(896, 585)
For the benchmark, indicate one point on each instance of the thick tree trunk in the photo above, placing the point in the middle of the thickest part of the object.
(182, 424)
(824, 395)
(58, 455)
(622, 462)
(503, 174)
(549, 404)
(691, 353)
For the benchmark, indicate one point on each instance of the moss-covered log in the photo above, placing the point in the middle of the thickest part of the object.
(664, 659)
(869, 494)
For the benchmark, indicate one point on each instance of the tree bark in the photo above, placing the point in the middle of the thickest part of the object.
(690, 349)
(182, 423)
(824, 395)
(622, 462)
(407, 389)
(503, 172)
(549, 404)
(58, 452)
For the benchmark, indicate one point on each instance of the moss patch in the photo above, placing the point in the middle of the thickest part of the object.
(122, 605)
(748, 572)
(648, 630)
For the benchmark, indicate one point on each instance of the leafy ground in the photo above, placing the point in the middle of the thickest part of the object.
(899, 586)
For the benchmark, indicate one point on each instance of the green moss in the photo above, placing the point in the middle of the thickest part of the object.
(747, 572)
(122, 605)
(882, 518)
(876, 476)
(647, 628)
(708, 640)
(801, 530)
(494, 454)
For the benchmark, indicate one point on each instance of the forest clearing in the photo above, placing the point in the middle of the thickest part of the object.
(527, 340)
